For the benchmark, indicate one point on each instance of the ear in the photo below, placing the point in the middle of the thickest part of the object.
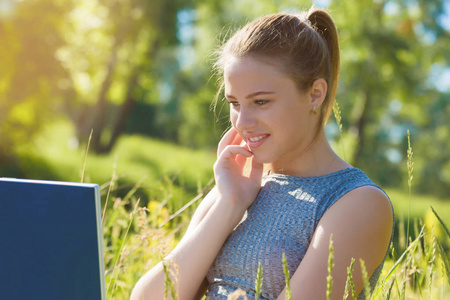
(318, 92)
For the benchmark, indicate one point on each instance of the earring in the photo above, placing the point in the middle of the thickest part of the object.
(314, 110)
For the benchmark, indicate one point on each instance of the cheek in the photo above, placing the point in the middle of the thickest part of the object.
(233, 118)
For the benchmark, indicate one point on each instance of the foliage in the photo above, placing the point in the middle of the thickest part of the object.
(31, 80)
(145, 66)
(163, 170)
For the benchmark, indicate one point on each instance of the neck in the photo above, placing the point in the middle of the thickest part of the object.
(315, 160)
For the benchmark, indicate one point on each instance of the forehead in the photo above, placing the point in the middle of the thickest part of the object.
(235, 64)
(253, 72)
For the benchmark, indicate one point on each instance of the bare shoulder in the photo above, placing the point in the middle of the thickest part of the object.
(370, 196)
(361, 224)
(363, 211)
(367, 202)
(363, 221)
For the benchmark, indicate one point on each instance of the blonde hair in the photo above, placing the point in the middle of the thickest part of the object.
(306, 47)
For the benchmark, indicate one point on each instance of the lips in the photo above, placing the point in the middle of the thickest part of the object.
(255, 141)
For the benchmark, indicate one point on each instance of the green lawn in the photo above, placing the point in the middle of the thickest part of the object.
(420, 205)
(160, 169)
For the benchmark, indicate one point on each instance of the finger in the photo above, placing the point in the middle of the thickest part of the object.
(226, 140)
(257, 170)
(232, 151)
(238, 139)
(244, 144)
(241, 160)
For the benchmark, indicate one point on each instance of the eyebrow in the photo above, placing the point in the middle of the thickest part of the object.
(252, 95)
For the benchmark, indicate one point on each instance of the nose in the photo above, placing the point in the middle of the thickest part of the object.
(245, 119)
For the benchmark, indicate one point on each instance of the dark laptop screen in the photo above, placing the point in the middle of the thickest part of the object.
(51, 241)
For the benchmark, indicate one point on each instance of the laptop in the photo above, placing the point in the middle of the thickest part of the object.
(50, 240)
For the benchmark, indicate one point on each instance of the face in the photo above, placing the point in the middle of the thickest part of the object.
(272, 116)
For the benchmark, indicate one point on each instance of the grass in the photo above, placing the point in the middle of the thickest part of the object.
(138, 157)
(418, 270)
(146, 182)
(420, 204)
(163, 170)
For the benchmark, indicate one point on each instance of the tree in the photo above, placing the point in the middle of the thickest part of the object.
(32, 82)
(386, 60)
(130, 35)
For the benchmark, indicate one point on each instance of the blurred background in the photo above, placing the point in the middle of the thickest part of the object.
(139, 74)
(119, 92)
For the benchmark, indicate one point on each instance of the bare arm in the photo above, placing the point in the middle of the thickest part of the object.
(193, 255)
(202, 210)
(213, 221)
(361, 223)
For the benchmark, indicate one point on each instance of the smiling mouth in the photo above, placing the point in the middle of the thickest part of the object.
(257, 138)
(256, 141)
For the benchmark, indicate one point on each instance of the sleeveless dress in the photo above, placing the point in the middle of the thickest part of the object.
(282, 218)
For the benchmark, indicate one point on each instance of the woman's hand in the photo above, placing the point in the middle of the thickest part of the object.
(232, 184)
(213, 224)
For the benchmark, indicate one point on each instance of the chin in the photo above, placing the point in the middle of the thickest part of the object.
(263, 159)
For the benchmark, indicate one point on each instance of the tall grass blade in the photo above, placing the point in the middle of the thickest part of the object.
(170, 270)
(411, 248)
(418, 282)
(408, 264)
(167, 280)
(432, 262)
(330, 268)
(85, 156)
(365, 278)
(402, 240)
(258, 284)
(442, 251)
(337, 116)
(120, 253)
(349, 284)
(287, 277)
(111, 185)
(441, 221)
(445, 261)
(205, 190)
(136, 187)
(410, 165)
(390, 290)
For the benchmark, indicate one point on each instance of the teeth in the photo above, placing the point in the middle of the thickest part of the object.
(257, 138)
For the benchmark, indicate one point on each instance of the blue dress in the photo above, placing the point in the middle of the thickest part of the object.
(282, 219)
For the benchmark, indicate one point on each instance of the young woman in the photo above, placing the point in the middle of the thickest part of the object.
(280, 77)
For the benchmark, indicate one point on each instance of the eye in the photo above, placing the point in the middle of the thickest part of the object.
(234, 103)
(261, 102)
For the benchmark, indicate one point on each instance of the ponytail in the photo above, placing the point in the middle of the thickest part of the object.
(324, 25)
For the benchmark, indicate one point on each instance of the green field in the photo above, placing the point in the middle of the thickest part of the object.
(146, 181)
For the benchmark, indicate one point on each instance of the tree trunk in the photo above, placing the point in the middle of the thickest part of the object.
(99, 116)
(360, 127)
(123, 113)
(130, 101)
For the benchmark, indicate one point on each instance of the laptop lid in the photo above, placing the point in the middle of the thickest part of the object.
(51, 240)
